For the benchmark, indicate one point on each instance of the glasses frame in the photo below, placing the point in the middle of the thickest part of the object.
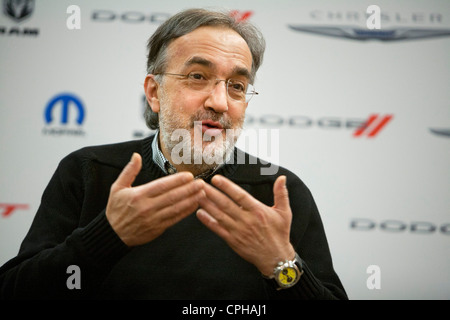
(186, 76)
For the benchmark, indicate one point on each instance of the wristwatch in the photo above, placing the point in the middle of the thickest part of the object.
(286, 274)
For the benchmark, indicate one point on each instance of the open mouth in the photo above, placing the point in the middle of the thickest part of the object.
(211, 128)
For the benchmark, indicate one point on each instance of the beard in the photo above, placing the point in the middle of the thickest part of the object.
(183, 138)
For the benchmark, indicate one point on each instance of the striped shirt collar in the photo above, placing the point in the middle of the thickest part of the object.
(158, 156)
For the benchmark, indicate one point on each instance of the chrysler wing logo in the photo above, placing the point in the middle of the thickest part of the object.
(359, 33)
(441, 132)
(18, 10)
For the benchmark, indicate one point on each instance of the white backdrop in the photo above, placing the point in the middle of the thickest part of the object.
(384, 199)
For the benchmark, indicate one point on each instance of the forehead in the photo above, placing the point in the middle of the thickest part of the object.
(223, 47)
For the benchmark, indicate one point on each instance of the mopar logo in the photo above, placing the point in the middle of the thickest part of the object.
(64, 102)
(62, 111)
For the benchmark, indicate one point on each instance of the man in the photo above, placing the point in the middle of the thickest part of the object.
(170, 223)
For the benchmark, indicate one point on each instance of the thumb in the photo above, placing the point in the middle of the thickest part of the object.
(280, 194)
(129, 173)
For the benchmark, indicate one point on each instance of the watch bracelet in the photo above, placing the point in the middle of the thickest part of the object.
(297, 260)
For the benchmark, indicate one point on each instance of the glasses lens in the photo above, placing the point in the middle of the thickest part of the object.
(240, 91)
(199, 81)
(250, 93)
(237, 90)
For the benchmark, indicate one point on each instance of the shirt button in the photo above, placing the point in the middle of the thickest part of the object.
(171, 170)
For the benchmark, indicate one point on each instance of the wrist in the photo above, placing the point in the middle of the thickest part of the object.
(267, 269)
(286, 274)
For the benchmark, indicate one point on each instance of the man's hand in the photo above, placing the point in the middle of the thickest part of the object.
(258, 233)
(140, 214)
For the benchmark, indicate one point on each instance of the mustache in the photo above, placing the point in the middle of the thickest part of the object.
(201, 115)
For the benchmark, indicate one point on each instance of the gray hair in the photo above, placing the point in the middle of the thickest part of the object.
(185, 22)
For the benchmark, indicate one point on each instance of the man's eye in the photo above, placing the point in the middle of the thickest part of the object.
(237, 86)
(196, 76)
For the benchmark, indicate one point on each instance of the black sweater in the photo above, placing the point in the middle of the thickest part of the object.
(187, 261)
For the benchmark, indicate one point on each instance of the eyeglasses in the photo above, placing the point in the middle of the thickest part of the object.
(237, 90)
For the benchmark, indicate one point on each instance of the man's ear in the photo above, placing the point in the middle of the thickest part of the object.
(151, 92)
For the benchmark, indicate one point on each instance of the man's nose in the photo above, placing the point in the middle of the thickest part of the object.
(218, 98)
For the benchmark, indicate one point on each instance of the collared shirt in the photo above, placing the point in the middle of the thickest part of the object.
(162, 162)
(159, 158)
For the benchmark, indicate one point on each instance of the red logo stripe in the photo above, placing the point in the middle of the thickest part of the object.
(380, 126)
(369, 128)
(240, 16)
(10, 208)
(361, 129)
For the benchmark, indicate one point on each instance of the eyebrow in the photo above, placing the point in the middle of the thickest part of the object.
(206, 63)
(199, 60)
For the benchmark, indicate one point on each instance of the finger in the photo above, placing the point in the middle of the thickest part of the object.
(211, 223)
(219, 205)
(177, 194)
(174, 213)
(280, 194)
(241, 197)
(164, 184)
(129, 173)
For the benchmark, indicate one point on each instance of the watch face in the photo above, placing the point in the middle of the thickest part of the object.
(287, 276)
